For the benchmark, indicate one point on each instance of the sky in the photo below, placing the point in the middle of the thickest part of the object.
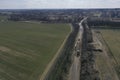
(58, 4)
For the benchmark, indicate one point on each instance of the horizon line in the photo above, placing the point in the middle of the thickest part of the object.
(52, 8)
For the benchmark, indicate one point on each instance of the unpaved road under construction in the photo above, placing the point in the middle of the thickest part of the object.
(75, 68)
(83, 67)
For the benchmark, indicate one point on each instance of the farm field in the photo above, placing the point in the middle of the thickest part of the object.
(108, 61)
(112, 38)
(27, 48)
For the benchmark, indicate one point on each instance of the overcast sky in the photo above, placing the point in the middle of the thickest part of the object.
(43, 4)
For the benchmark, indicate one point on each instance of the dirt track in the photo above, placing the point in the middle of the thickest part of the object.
(75, 68)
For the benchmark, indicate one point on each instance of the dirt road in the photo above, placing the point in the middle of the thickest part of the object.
(75, 68)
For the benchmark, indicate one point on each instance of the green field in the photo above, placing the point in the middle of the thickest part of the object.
(27, 48)
(3, 18)
(112, 38)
